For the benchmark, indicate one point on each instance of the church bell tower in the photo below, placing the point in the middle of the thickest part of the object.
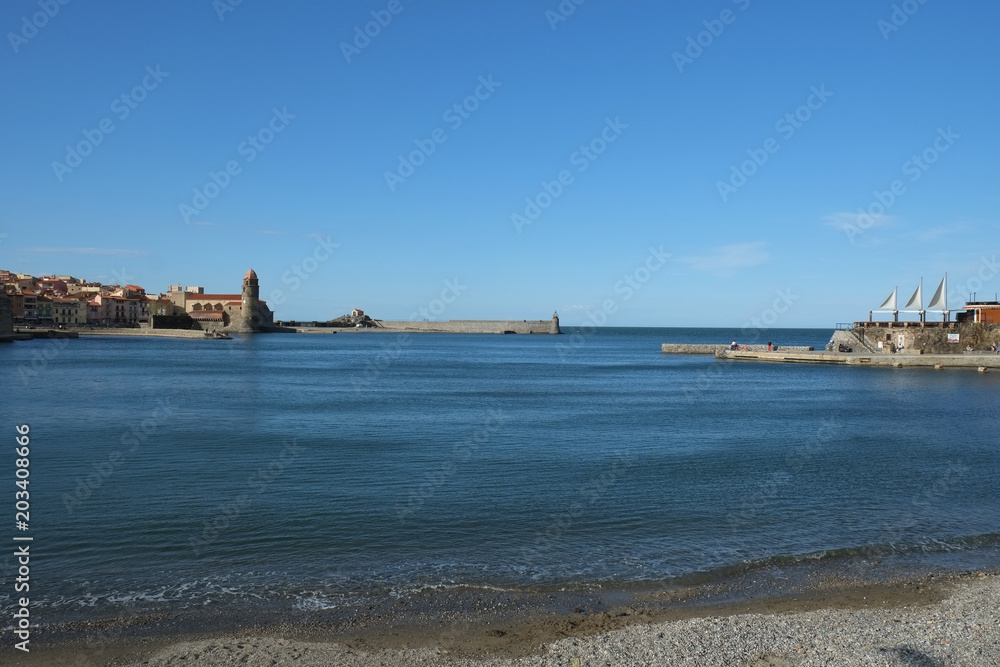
(250, 314)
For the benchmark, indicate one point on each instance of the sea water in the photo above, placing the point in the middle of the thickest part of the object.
(301, 470)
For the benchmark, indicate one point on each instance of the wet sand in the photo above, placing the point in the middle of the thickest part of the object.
(934, 620)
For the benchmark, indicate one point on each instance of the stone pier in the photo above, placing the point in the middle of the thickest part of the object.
(982, 361)
(697, 348)
(475, 326)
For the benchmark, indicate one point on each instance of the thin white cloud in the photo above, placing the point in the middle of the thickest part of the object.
(84, 251)
(729, 259)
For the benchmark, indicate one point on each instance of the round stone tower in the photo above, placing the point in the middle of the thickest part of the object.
(554, 329)
(250, 311)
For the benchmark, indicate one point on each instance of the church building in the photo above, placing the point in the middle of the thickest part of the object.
(233, 313)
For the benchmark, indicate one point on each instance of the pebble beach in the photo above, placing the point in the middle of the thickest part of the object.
(959, 630)
(952, 622)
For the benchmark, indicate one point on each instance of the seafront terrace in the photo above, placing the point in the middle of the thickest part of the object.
(897, 325)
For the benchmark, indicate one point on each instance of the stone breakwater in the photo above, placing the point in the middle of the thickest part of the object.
(930, 337)
(859, 357)
(690, 348)
(981, 361)
(475, 326)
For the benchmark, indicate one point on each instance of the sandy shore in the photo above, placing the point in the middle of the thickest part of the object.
(153, 333)
(925, 623)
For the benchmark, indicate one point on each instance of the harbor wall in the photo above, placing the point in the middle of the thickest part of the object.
(978, 360)
(930, 339)
(693, 348)
(475, 326)
(851, 342)
(171, 322)
(144, 331)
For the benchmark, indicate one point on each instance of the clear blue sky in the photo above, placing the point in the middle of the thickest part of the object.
(678, 128)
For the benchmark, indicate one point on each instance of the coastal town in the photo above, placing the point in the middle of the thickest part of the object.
(61, 304)
(68, 301)
(66, 305)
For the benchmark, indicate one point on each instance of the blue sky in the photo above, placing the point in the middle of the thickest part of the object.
(741, 138)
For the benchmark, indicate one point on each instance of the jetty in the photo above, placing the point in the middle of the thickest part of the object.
(544, 327)
(971, 340)
(857, 345)
(698, 348)
(980, 360)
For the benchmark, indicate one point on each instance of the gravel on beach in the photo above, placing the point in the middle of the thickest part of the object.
(961, 630)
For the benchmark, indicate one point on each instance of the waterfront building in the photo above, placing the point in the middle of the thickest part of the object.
(43, 310)
(16, 301)
(975, 327)
(115, 309)
(30, 305)
(160, 305)
(981, 312)
(66, 310)
(243, 312)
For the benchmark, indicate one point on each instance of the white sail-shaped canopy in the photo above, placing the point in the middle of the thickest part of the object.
(917, 300)
(940, 299)
(890, 303)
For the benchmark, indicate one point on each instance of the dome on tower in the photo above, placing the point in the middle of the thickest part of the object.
(251, 275)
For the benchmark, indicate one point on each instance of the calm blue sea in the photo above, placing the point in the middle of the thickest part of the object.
(302, 470)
